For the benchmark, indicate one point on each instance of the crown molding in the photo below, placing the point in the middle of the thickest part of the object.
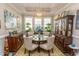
(62, 9)
(14, 7)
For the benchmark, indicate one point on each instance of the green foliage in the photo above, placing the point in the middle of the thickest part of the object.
(48, 27)
(28, 26)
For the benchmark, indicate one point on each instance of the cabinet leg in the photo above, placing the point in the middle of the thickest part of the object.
(49, 52)
(25, 51)
(52, 50)
(29, 53)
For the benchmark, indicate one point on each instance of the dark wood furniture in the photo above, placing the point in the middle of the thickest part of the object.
(63, 33)
(15, 42)
(6, 47)
(39, 39)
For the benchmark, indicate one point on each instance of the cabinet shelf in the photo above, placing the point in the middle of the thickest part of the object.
(63, 37)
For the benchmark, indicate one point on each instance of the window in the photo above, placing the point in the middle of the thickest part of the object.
(38, 22)
(28, 23)
(47, 23)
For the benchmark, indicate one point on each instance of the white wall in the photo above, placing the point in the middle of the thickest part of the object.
(2, 18)
(73, 8)
(3, 31)
(2, 7)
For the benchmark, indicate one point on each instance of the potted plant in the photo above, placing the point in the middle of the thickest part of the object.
(38, 29)
(48, 27)
(28, 28)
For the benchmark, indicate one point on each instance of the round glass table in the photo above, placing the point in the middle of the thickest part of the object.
(39, 39)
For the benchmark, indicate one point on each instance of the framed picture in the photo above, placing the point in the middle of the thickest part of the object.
(10, 20)
(77, 20)
(18, 22)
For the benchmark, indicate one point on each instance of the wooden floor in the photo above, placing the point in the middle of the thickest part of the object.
(56, 52)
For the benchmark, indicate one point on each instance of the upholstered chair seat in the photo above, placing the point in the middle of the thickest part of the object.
(29, 45)
(49, 45)
(30, 33)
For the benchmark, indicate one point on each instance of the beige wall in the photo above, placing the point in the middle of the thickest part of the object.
(2, 18)
(73, 8)
(3, 31)
(10, 9)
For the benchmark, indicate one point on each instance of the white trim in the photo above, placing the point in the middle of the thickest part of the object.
(75, 36)
(13, 7)
(60, 10)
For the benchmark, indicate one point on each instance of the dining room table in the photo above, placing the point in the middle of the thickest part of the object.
(39, 39)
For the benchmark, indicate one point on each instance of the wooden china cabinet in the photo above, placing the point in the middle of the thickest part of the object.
(63, 33)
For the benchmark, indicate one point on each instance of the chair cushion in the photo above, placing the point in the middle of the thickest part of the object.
(46, 47)
(28, 43)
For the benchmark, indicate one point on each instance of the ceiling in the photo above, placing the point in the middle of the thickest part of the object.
(33, 8)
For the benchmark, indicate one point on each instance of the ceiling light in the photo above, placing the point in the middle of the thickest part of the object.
(39, 14)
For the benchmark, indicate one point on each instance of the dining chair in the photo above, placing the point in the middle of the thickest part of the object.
(29, 46)
(49, 45)
(46, 33)
(30, 33)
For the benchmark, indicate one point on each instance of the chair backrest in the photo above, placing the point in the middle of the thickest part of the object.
(28, 42)
(30, 33)
(46, 33)
(53, 38)
(24, 36)
(50, 41)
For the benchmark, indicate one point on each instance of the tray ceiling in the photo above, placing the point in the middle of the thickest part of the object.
(32, 8)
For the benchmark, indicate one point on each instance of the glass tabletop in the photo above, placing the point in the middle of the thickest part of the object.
(39, 37)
